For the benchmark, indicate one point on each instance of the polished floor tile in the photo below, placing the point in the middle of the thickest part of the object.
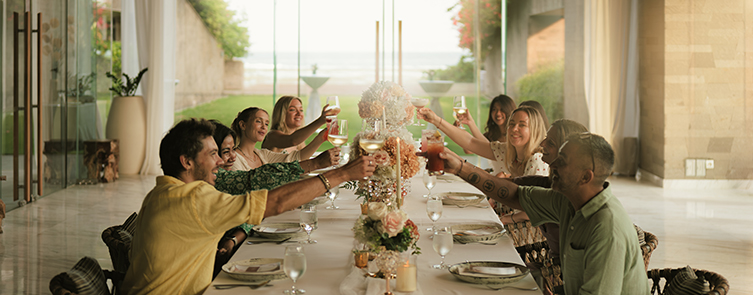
(707, 229)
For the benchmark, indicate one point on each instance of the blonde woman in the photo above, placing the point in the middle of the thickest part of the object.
(287, 133)
(519, 155)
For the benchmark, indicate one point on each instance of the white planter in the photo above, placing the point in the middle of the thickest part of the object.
(127, 123)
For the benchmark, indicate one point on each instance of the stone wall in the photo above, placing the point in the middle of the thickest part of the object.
(695, 73)
(200, 65)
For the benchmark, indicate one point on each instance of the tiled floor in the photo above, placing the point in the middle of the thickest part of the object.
(709, 229)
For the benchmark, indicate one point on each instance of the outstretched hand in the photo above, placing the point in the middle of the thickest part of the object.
(328, 158)
(451, 160)
(360, 168)
(331, 112)
(428, 115)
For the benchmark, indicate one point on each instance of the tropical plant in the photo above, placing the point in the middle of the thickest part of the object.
(79, 86)
(119, 88)
(224, 25)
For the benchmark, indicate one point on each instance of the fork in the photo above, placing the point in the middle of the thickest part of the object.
(230, 286)
(511, 287)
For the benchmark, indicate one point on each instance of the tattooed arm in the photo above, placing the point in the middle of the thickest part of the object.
(499, 189)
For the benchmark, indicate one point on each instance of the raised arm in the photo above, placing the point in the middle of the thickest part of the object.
(292, 195)
(462, 138)
(326, 159)
(276, 139)
(311, 148)
(499, 189)
(468, 121)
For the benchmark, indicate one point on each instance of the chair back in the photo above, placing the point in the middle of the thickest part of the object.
(663, 278)
(648, 248)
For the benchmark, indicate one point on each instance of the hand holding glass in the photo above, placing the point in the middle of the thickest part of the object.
(294, 266)
(435, 163)
(419, 103)
(459, 108)
(334, 106)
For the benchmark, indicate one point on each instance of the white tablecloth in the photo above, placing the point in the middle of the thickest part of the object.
(330, 261)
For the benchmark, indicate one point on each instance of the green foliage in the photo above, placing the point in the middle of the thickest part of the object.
(116, 53)
(224, 26)
(490, 22)
(461, 72)
(545, 86)
(79, 86)
(129, 87)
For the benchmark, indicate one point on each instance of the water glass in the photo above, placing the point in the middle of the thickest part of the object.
(442, 244)
(429, 182)
(434, 209)
(294, 266)
(309, 221)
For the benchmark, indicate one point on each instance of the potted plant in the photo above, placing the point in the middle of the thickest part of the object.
(127, 122)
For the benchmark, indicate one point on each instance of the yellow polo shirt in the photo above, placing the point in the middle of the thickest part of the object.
(176, 235)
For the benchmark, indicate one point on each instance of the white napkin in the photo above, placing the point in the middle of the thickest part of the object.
(269, 267)
(462, 198)
(488, 271)
(280, 230)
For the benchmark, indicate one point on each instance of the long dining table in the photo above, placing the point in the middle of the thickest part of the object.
(330, 260)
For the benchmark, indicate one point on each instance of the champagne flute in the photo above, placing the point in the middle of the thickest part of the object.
(442, 244)
(294, 266)
(333, 192)
(429, 182)
(459, 108)
(338, 134)
(419, 103)
(434, 210)
(309, 221)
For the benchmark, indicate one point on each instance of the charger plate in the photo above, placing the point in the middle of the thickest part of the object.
(259, 276)
(461, 199)
(279, 231)
(475, 233)
(506, 273)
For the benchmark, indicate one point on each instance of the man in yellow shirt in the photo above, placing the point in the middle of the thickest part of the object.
(184, 216)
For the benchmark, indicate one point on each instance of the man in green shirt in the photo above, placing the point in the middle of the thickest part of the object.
(599, 245)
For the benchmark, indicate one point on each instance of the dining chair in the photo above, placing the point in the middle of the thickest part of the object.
(118, 240)
(647, 248)
(686, 280)
(86, 277)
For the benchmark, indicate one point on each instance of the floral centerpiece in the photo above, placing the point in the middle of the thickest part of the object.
(388, 101)
(387, 227)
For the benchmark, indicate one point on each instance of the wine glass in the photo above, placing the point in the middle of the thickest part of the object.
(309, 221)
(429, 182)
(338, 134)
(371, 141)
(442, 244)
(295, 266)
(434, 209)
(333, 192)
(334, 104)
(419, 103)
(459, 108)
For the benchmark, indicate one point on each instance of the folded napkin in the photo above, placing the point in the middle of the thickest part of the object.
(489, 271)
(280, 230)
(478, 232)
(462, 198)
(269, 267)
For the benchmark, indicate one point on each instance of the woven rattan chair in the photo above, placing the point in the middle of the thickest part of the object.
(717, 283)
(648, 248)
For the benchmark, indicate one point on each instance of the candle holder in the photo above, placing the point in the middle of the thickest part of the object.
(387, 261)
(407, 274)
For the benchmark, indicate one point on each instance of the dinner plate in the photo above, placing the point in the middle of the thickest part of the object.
(279, 231)
(474, 233)
(461, 199)
(488, 272)
(255, 269)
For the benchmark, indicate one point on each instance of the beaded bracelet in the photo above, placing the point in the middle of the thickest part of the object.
(325, 181)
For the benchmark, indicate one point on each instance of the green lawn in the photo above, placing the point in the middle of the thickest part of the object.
(225, 110)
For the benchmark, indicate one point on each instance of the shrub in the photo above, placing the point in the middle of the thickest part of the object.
(545, 85)
(224, 26)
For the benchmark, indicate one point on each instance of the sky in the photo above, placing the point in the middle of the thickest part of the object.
(349, 25)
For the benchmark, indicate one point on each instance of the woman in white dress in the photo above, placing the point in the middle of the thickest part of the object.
(287, 133)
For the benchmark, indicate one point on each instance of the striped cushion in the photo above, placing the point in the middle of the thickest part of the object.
(686, 282)
(641, 235)
(86, 277)
(130, 223)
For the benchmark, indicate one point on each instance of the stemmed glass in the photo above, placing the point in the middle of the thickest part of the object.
(442, 244)
(333, 192)
(295, 266)
(334, 104)
(434, 209)
(371, 141)
(309, 221)
(338, 134)
(459, 108)
(419, 103)
(429, 182)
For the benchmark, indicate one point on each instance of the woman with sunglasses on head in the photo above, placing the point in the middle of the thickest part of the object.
(287, 133)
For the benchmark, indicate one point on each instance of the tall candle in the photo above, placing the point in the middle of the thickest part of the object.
(399, 185)
(384, 118)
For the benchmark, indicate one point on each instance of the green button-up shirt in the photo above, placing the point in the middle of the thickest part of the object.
(599, 245)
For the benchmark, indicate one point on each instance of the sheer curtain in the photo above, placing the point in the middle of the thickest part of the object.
(149, 41)
(611, 74)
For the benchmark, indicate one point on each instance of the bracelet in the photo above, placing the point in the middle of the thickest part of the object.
(461, 165)
(325, 181)
(511, 215)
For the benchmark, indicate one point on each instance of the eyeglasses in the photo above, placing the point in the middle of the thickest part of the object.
(588, 135)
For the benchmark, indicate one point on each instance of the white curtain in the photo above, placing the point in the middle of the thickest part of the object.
(155, 37)
(611, 74)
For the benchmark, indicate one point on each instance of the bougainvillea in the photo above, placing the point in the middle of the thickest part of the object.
(490, 22)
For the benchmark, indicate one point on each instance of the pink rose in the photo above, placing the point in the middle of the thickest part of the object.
(392, 223)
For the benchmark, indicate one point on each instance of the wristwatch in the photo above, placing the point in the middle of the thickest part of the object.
(235, 241)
